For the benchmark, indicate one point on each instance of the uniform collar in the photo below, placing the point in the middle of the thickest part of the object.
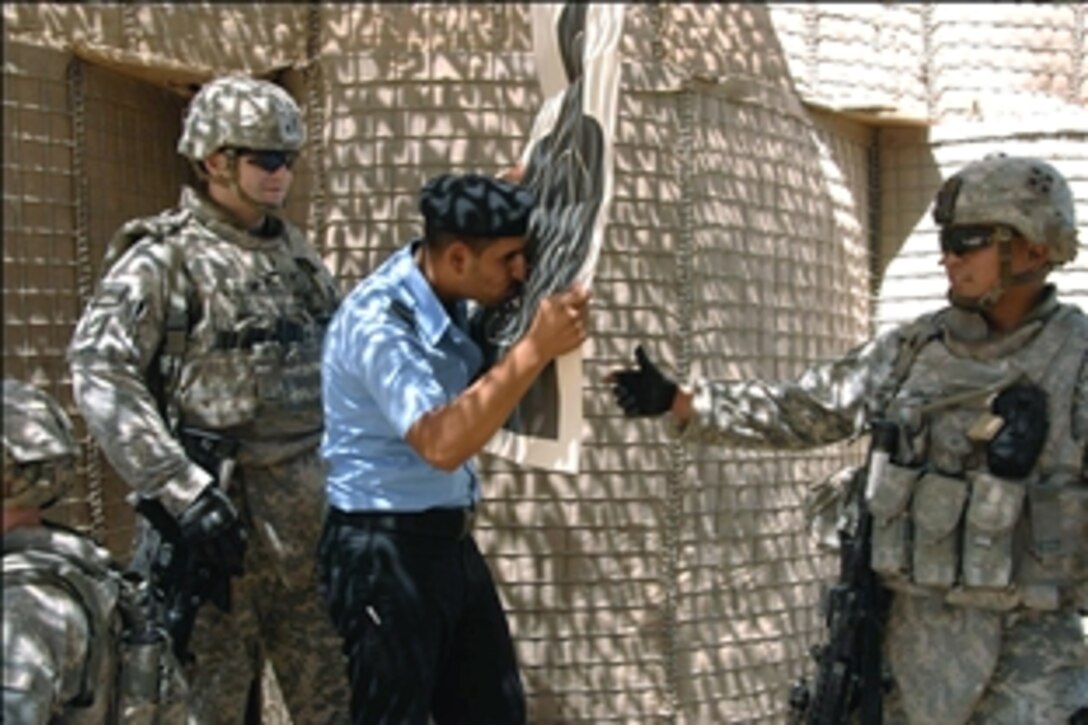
(223, 224)
(968, 334)
(432, 318)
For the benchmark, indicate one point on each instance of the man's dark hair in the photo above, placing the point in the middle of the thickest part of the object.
(438, 240)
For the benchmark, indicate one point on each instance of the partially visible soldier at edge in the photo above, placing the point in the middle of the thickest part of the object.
(78, 643)
(980, 522)
(197, 368)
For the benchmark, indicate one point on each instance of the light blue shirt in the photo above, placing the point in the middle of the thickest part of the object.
(393, 353)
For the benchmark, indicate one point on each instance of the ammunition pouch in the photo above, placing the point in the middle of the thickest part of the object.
(151, 688)
(988, 554)
(988, 542)
(936, 511)
(257, 375)
(889, 506)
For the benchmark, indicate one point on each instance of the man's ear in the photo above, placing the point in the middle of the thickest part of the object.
(217, 165)
(1038, 254)
(457, 256)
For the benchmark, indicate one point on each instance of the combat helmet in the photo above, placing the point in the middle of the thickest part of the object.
(39, 447)
(238, 111)
(1027, 194)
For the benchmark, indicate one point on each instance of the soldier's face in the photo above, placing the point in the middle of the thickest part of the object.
(496, 273)
(975, 272)
(972, 273)
(266, 176)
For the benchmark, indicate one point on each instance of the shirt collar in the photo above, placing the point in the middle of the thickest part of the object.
(432, 319)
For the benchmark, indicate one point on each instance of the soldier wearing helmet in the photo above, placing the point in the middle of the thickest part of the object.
(68, 613)
(1021, 209)
(980, 519)
(39, 451)
(196, 368)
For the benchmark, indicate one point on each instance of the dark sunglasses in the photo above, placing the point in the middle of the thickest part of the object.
(268, 160)
(961, 240)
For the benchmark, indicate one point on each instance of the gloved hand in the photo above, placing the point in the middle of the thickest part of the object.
(645, 391)
(1013, 451)
(211, 527)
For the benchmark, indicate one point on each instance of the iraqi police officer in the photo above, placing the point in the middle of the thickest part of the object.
(197, 368)
(408, 406)
(980, 523)
(79, 643)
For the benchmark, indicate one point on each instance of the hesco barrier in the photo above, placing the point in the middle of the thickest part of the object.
(774, 169)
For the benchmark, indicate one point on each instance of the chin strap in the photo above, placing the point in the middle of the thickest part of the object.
(1007, 279)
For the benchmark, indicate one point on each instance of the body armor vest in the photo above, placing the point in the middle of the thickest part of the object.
(127, 677)
(942, 521)
(246, 320)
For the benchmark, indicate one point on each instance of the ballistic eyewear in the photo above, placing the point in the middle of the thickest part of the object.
(961, 240)
(268, 160)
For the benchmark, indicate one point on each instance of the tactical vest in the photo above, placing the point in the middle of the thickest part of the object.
(130, 675)
(244, 327)
(942, 522)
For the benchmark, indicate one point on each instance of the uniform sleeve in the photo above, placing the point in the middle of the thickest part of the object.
(398, 375)
(45, 646)
(114, 344)
(827, 404)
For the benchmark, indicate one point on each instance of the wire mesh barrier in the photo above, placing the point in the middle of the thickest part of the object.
(748, 235)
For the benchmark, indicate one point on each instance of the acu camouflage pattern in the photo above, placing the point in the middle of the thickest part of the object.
(958, 653)
(276, 611)
(39, 449)
(1025, 193)
(241, 112)
(64, 659)
(258, 306)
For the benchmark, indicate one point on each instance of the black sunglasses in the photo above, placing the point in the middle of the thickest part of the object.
(268, 160)
(961, 240)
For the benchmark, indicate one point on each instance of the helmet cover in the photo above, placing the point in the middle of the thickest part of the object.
(39, 447)
(1027, 194)
(238, 111)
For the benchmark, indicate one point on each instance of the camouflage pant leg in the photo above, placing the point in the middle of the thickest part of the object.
(1042, 673)
(227, 661)
(286, 505)
(893, 712)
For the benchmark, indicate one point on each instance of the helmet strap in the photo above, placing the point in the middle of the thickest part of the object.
(234, 177)
(1006, 279)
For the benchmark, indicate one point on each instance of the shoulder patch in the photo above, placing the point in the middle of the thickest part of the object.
(160, 228)
(110, 294)
(400, 309)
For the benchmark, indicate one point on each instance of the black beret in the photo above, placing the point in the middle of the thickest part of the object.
(476, 206)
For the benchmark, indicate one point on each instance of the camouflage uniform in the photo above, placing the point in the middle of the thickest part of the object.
(987, 572)
(65, 658)
(254, 305)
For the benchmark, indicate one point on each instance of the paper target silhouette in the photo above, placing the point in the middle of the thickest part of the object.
(568, 164)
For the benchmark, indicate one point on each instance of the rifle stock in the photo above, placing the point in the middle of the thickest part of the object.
(849, 674)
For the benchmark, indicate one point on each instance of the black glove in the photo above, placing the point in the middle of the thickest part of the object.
(643, 392)
(1013, 451)
(211, 527)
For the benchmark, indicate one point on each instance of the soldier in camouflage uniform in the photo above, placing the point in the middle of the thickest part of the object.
(74, 632)
(197, 368)
(980, 525)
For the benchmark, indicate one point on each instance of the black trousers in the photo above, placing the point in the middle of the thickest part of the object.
(423, 628)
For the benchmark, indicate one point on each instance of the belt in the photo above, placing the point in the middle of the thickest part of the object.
(444, 523)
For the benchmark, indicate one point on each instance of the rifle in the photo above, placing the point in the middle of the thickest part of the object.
(180, 580)
(850, 674)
